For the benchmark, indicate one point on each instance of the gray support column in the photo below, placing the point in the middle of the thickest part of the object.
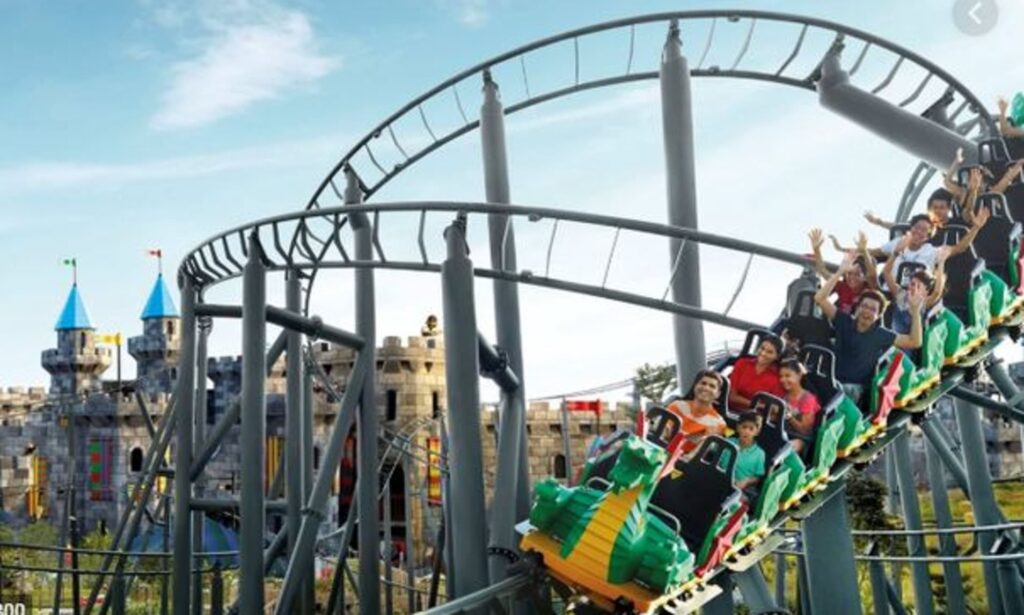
(681, 175)
(567, 442)
(913, 134)
(511, 501)
(723, 604)
(912, 521)
(941, 444)
(465, 454)
(1009, 579)
(253, 433)
(828, 548)
(293, 440)
(446, 514)
(892, 503)
(198, 437)
(184, 422)
(755, 591)
(410, 539)
(983, 502)
(780, 580)
(316, 506)
(307, 596)
(1007, 387)
(955, 603)
(879, 593)
(366, 463)
(389, 586)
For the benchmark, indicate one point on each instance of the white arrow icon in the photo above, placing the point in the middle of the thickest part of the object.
(973, 13)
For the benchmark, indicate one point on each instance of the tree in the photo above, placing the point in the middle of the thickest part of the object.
(651, 381)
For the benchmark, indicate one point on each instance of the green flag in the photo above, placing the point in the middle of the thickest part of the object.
(70, 261)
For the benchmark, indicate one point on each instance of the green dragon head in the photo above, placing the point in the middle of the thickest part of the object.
(639, 462)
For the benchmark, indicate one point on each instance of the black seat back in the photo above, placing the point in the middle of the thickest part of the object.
(754, 339)
(1015, 200)
(898, 230)
(959, 271)
(697, 495)
(806, 324)
(821, 372)
(993, 240)
(664, 425)
(772, 438)
(992, 151)
(906, 271)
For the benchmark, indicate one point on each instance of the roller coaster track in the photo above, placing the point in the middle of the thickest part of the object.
(322, 236)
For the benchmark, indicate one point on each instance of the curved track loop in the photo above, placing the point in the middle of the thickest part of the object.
(414, 131)
(314, 240)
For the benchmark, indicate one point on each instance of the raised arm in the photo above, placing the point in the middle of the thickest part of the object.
(817, 240)
(873, 219)
(912, 340)
(978, 220)
(949, 177)
(1005, 127)
(822, 296)
(939, 284)
(870, 268)
(890, 264)
(1011, 174)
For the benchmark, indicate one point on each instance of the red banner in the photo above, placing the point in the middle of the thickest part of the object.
(583, 405)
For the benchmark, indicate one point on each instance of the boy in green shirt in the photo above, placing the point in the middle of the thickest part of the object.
(749, 468)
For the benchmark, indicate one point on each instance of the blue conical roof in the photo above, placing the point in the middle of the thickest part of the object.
(73, 316)
(159, 304)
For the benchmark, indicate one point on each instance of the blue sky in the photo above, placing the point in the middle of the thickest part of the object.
(130, 125)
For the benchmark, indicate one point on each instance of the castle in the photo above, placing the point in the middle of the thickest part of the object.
(90, 433)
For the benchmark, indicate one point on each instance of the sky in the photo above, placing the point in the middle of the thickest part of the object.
(142, 124)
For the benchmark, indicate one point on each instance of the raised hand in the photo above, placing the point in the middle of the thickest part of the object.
(902, 245)
(917, 297)
(959, 156)
(1003, 105)
(848, 261)
(861, 241)
(871, 217)
(817, 238)
(982, 216)
(974, 180)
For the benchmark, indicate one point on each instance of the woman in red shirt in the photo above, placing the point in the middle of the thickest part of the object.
(756, 374)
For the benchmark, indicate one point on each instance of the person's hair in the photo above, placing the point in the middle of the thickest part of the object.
(709, 373)
(872, 295)
(941, 194)
(776, 343)
(749, 417)
(793, 364)
(860, 263)
(919, 218)
(925, 278)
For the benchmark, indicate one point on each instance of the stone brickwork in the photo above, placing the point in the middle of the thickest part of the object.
(76, 364)
(156, 354)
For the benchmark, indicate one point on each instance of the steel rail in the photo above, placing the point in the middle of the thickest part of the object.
(451, 83)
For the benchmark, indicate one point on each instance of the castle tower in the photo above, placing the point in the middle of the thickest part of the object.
(156, 350)
(76, 364)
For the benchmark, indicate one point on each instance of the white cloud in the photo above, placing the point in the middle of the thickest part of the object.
(242, 61)
(47, 176)
(473, 13)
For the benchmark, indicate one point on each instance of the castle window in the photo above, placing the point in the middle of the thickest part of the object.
(135, 459)
(556, 428)
(435, 401)
(170, 327)
(82, 339)
(323, 346)
(560, 469)
(586, 428)
(316, 457)
(392, 405)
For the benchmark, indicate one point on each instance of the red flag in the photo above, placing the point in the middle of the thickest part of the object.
(155, 252)
(583, 405)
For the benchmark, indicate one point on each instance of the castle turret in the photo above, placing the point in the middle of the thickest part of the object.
(156, 350)
(76, 364)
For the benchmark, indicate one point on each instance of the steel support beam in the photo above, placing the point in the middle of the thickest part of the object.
(723, 604)
(198, 437)
(955, 602)
(494, 364)
(465, 454)
(828, 554)
(308, 592)
(942, 443)
(366, 462)
(316, 508)
(252, 440)
(983, 501)
(912, 521)
(511, 501)
(230, 416)
(920, 137)
(1004, 410)
(681, 175)
(294, 494)
(756, 594)
(314, 327)
(184, 423)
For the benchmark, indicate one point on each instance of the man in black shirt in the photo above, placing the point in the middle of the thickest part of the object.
(860, 338)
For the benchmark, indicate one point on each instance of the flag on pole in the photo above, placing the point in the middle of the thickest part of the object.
(159, 254)
(73, 263)
(110, 338)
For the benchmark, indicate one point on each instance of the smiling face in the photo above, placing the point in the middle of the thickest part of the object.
(869, 310)
(855, 277)
(919, 233)
(766, 354)
(789, 378)
(705, 392)
(939, 211)
(916, 287)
